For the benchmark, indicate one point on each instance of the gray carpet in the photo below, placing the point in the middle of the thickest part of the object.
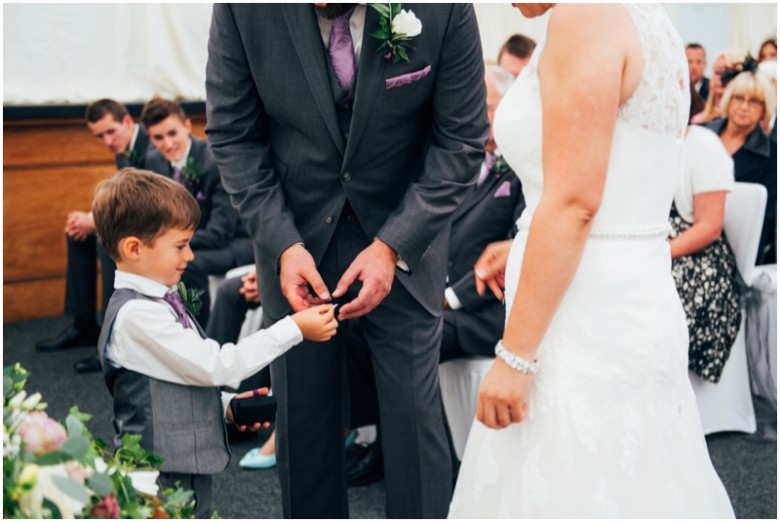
(747, 464)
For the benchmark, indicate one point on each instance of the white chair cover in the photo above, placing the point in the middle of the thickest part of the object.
(761, 333)
(728, 405)
(459, 381)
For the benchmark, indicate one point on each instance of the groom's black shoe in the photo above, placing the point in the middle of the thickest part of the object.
(72, 337)
(367, 468)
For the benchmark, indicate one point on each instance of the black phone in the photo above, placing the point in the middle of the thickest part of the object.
(249, 410)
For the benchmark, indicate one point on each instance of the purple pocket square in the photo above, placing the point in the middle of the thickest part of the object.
(406, 79)
(503, 191)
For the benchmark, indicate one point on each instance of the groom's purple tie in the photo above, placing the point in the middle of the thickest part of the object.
(174, 299)
(342, 55)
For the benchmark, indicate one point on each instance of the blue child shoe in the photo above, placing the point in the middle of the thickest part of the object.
(256, 460)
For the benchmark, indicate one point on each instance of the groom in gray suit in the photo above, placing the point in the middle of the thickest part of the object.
(345, 165)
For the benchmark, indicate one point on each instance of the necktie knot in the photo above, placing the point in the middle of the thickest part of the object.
(174, 299)
(341, 52)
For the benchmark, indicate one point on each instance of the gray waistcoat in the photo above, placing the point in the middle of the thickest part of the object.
(182, 424)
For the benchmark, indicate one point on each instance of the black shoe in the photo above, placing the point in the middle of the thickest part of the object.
(88, 365)
(368, 469)
(70, 338)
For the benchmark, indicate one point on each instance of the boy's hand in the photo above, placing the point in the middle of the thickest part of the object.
(256, 426)
(317, 323)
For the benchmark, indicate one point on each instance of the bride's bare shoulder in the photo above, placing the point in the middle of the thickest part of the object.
(596, 23)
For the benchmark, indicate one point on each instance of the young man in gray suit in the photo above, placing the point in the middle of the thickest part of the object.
(345, 162)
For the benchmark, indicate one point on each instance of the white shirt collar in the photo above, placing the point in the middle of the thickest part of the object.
(134, 138)
(141, 284)
(183, 160)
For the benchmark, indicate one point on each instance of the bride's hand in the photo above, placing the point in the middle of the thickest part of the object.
(503, 396)
(489, 268)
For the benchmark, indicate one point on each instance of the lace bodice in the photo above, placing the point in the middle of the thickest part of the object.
(661, 101)
(645, 159)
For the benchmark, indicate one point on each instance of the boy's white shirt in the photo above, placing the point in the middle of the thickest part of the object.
(148, 338)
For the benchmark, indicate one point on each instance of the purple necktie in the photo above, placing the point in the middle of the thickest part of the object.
(174, 299)
(342, 55)
(177, 175)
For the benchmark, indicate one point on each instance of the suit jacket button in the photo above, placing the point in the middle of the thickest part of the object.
(328, 219)
(346, 176)
(347, 106)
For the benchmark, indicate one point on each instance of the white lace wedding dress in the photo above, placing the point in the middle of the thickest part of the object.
(613, 429)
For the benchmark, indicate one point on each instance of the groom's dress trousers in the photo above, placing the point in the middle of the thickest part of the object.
(391, 159)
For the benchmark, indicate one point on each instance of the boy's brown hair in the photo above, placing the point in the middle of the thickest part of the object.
(157, 109)
(97, 110)
(143, 204)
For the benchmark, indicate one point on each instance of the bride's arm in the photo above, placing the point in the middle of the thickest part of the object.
(585, 71)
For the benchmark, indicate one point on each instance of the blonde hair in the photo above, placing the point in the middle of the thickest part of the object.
(731, 57)
(143, 204)
(749, 83)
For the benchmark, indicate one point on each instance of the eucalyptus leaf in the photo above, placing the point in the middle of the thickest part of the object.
(8, 383)
(74, 425)
(77, 446)
(71, 488)
(382, 9)
(54, 457)
(101, 484)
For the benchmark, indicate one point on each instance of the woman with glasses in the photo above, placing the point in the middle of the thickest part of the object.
(748, 101)
(724, 62)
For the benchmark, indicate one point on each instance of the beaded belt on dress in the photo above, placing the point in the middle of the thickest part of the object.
(655, 231)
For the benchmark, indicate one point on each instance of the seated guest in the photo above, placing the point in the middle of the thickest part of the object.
(515, 53)
(115, 130)
(747, 102)
(724, 63)
(768, 50)
(703, 265)
(473, 324)
(220, 241)
(697, 62)
(160, 368)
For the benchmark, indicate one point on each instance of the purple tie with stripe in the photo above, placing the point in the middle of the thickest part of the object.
(342, 55)
(174, 299)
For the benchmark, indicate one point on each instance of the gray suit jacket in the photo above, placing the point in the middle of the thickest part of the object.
(404, 165)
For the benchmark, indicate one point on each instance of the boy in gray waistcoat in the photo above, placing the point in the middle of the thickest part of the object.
(161, 370)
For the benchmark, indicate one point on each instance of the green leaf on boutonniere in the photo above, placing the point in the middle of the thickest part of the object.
(396, 28)
(191, 173)
(500, 166)
(191, 298)
(134, 158)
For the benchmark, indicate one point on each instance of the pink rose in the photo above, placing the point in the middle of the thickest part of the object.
(108, 507)
(41, 434)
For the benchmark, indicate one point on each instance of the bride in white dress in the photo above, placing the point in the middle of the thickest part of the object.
(608, 426)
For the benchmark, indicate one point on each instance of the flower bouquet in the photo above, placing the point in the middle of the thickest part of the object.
(58, 470)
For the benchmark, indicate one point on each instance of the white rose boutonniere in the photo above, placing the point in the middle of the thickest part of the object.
(406, 23)
(396, 28)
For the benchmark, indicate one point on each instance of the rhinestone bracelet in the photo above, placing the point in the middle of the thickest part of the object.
(515, 361)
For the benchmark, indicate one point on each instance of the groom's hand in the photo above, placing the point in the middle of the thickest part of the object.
(297, 271)
(375, 267)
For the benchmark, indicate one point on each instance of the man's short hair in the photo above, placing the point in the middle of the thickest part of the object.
(97, 110)
(158, 109)
(518, 45)
(694, 45)
(143, 204)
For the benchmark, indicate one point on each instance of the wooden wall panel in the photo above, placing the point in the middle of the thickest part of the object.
(50, 168)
